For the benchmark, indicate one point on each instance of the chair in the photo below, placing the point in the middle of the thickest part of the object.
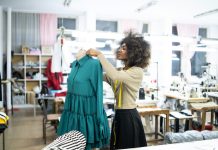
(51, 119)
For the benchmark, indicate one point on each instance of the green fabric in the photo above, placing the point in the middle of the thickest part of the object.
(83, 108)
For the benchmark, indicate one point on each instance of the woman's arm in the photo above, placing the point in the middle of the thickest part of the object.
(125, 76)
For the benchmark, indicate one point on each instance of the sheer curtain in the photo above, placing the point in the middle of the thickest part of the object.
(48, 29)
(189, 31)
(25, 30)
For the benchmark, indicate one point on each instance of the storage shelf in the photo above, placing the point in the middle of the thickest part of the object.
(29, 64)
(33, 80)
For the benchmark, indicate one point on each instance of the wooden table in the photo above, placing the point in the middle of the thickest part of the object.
(213, 95)
(155, 111)
(179, 96)
(203, 108)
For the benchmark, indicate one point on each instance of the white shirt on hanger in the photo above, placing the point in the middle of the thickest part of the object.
(56, 58)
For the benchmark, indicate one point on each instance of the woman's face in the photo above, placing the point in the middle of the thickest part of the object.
(122, 52)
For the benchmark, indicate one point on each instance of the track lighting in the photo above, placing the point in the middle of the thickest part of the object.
(67, 2)
(206, 13)
(147, 5)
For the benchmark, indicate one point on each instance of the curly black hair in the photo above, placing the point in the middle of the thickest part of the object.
(138, 50)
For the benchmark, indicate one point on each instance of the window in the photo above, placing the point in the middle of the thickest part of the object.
(176, 62)
(67, 23)
(197, 61)
(202, 32)
(111, 59)
(102, 25)
(174, 30)
(104, 43)
(145, 28)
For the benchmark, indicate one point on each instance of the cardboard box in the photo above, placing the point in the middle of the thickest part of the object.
(25, 49)
(47, 49)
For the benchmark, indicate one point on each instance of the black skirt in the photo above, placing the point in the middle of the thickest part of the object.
(127, 130)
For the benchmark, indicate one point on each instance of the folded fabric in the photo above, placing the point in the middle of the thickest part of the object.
(209, 134)
(187, 136)
(3, 118)
(73, 140)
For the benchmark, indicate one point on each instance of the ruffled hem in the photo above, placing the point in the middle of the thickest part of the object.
(80, 114)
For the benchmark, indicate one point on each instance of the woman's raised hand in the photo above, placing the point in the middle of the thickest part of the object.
(93, 52)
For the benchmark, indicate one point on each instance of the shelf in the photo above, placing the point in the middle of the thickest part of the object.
(18, 54)
(44, 79)
(20, 80)
(32, 68)
(32, 80)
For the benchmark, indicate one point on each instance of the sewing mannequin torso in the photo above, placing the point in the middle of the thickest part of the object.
(81, 53)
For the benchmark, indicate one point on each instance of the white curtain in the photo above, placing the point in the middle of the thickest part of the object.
(187, 54)
(25, 30)
(188, 31)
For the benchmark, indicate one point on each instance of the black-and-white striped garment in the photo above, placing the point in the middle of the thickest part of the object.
(73, 140)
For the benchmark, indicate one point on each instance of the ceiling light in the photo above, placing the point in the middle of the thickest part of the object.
(147, 5)
(67, 2)
(206, 13)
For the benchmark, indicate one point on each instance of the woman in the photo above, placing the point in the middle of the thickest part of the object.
(127, 129)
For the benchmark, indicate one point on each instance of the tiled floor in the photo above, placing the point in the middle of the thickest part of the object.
(25, 131)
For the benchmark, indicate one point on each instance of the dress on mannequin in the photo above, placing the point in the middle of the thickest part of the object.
(83, 107)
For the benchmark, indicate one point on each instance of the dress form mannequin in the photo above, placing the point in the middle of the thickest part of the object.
(81, 53)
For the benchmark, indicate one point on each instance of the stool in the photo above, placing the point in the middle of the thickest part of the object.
(162, 122)
(181, 116)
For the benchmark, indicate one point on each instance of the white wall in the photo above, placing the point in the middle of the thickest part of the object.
(212, 32)
(160, 27)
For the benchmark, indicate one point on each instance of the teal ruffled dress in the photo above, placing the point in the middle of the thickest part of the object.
(83, 107)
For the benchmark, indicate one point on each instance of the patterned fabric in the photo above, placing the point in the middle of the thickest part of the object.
(83, 107)
(73, 140)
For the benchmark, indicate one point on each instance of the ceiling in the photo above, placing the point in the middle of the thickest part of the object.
(177, 11)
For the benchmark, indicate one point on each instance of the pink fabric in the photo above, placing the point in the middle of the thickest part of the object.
(187, 30)
(48, 29)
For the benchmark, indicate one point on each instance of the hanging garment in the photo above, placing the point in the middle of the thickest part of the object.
(56, 58)
(62, 56)
(54, 79)
(83, 108)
